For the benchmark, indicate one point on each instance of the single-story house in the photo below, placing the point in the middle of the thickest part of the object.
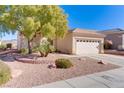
(116, 36)
(76, 41)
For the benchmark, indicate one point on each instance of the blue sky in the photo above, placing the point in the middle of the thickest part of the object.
(95, 17)
(91, 17)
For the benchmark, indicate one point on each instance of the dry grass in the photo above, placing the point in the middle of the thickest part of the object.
(5, 73)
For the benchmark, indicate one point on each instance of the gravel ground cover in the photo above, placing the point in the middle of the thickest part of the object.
(30, 75)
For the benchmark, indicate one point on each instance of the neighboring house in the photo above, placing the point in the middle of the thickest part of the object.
(116, 36)
(13, 42)
(77, 41)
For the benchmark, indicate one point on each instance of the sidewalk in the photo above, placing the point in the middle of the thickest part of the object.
(107, 79)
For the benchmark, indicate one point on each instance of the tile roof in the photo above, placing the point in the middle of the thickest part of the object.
(86, 33)
(113, 31)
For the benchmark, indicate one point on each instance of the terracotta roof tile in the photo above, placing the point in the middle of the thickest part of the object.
(113, 31)
(86, 33)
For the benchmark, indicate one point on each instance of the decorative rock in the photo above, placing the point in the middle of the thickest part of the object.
(35, 59)
(52, 66)
(32, 61)
(101, 62)
(16, 73)
(82, 59)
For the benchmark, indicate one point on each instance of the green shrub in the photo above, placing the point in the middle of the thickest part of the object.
(2, 47)
(52, 48)
(24, 51)
(63, 63)
(44, 48)
(107, 45)
(5, 73)
(9, 45)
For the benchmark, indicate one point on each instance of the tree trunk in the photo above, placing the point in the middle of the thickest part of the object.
(46, 54)
(41, 54)
(29, 47)
(56, 43)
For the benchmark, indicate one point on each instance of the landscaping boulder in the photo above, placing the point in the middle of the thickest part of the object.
(52, 66)
(15, 73)
(101, 62)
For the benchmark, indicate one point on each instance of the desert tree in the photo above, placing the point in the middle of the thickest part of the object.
(46, 20)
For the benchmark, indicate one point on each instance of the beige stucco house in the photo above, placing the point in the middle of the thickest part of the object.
(76, 41)
(116, 36)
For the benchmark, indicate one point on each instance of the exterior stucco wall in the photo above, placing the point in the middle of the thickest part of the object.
(101, 48)
(23, 43)
(68, 44)
(116, 40)
(64, 45)
(36, 40)
(122, 39)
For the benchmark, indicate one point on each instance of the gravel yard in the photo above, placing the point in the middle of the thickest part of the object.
(30, 75)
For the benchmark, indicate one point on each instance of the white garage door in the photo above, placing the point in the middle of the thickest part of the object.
(87, 46)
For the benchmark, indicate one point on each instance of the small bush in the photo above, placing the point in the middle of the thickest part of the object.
(9, 45)
(44, 48)
(107, 44)
(63, 63)
(51, 48)
(24, 51)
(5, 73)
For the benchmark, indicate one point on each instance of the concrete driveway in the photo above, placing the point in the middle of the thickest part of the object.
(107, 79)
(114, 59)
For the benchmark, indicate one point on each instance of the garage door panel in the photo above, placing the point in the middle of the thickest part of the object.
(87, 47)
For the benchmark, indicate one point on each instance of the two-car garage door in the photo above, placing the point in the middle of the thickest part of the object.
(87, 46)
